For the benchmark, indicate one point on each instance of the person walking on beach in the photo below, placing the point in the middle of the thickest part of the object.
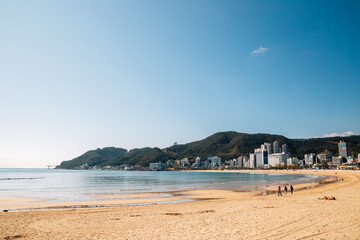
(285, 189)
(279, 191)
(291, 189)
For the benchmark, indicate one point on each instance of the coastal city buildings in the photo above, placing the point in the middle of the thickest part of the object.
(267, 147)
(252, 161)
(198, 161)
(243, 162)
(184, 162)
(278, 159)
(284, 148)
(156, 166)
(336, 161)
(214, 161)
(292, 161)
(261, 158)
(276, 147)
(342, 149)
(325, 156)
(240, 162)
(309, 158)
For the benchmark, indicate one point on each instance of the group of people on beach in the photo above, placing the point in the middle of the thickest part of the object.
(327, 198)
(285, 190)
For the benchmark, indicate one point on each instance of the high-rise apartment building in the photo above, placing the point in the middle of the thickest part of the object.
(276, 147)
(261, 158)
(268, 147)
(252, 160)
(198, 161)
(214, 161)
(310, 159)
(342, 149)
(284, 148)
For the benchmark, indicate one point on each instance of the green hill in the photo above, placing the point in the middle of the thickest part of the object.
(226, 145)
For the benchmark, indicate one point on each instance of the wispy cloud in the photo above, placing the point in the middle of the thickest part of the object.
(260, 50)
(344, 134)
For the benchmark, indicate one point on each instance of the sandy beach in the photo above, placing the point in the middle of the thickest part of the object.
(218, 214)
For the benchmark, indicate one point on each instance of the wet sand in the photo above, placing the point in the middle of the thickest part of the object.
(220, 215)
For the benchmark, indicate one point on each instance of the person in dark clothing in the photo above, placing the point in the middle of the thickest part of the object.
(285, 189)
(279, 191)
(291, 189)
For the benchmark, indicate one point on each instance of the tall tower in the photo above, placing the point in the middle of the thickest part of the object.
(342, 149)
(284, 148)
(276, 147)
(268, 147)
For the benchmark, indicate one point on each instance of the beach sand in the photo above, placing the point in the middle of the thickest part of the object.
(217, 214)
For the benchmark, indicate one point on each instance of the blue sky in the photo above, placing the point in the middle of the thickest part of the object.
(77, 75)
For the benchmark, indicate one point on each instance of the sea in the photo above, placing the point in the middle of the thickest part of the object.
(83, 185)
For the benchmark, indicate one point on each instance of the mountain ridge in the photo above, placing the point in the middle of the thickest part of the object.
(226, 145)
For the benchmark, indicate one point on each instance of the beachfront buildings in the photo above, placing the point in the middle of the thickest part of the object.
(278, 159)
(276, 148)
(309, 158)
(252, 161)
(184, 162)
(214, 162)
(292, 161)
(342, 149)
(266, 146)
(336, 161)
(324, 156)
(243, 162)
(240, 162)
(198, 162)
(284, 148)
(156, 166)
(261, 158)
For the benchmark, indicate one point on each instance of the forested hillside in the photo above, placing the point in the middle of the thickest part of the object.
(226, 145)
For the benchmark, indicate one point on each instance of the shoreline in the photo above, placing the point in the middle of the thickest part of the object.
(225, 215)
(21, 204)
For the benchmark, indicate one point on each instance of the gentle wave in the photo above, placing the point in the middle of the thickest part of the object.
(9, 179)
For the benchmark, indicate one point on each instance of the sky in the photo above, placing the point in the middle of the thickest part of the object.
(80, 75)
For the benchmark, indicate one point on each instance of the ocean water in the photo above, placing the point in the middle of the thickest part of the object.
(82, 185)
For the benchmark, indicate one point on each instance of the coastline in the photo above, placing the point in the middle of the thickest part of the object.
(225, 215)
(14, 203)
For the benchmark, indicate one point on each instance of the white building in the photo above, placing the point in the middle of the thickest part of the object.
(276, 148)
(284, 148)
(240, 162)
(246, 163)
(309, 158)
(198, 161)
(261, 158)
(268, 147)
(252, 161)
(292, 161)
(277, 159)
